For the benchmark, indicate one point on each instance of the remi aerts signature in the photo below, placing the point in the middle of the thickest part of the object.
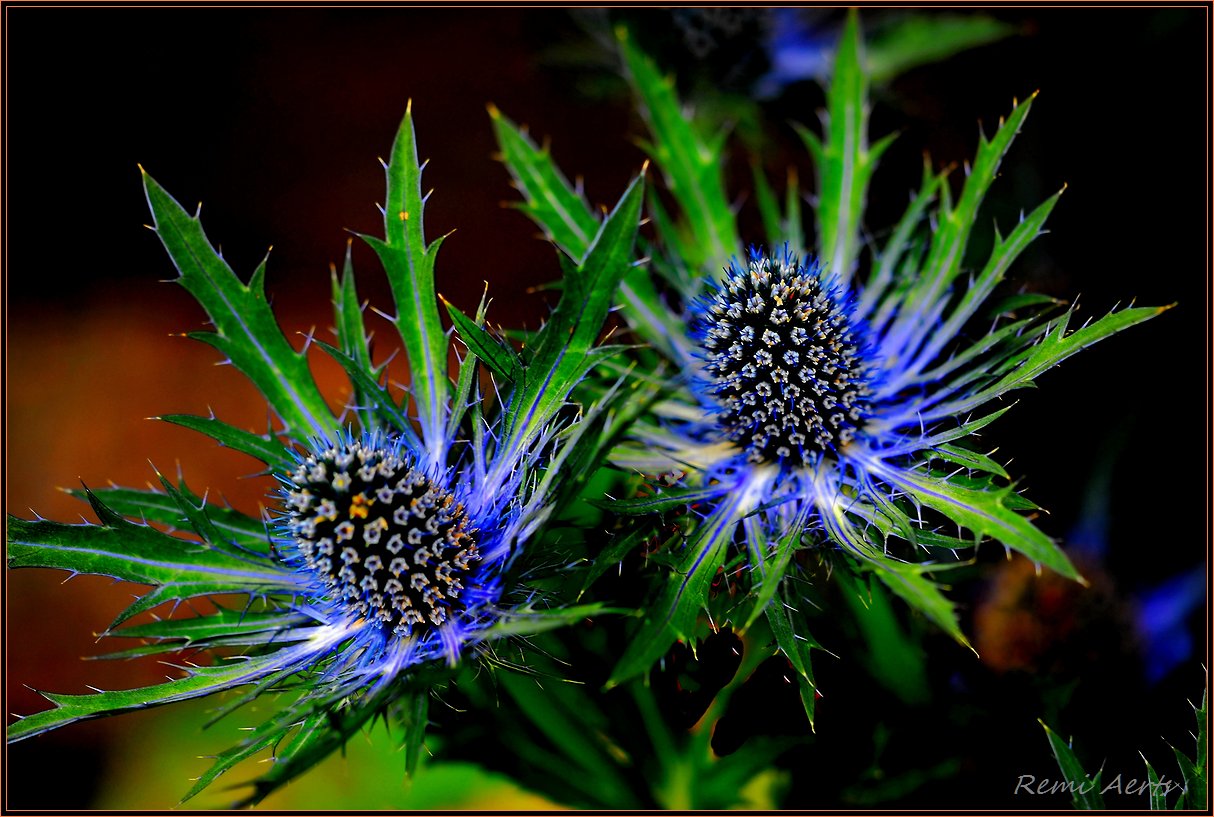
(1030, 784)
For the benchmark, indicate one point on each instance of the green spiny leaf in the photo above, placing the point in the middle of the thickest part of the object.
(922, 594)
(567, 218)
(612, 555)
(1085, 790)
(416, 708)
(685, 590)
(223, 628)
(691, 164)
(771, 570)
(899, 243)
(1005, 251)
(968, 459)
(198, 518)
(245, 328)
(223, 622)
(464, 402)
(675, 248)
(943, 263)
(769, 208)
(985, 512)
(603, 424)
(380, 401)
(323, 730)
(563, 351)
(178, 568)
(409, 263)
(589, 291)
(132, 552)
(526, 621)
(1194, 782)
(794, 640)
(260, 737)
(1159, 800)
(265, 447)
(845, 161)
(352, 335)
(1194, 772)
(1201, 759)
(155, 506)
(552, 203)
(200, 681)
(1057, 345)
(501, 359)
(794, 233)
(665, 501)
(1021, 301)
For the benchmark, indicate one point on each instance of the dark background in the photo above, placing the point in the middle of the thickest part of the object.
(274, 119)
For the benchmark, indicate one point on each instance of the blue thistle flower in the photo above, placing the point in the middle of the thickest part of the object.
(392, 552)
(817, 406)
(829, 418)
(819, 403)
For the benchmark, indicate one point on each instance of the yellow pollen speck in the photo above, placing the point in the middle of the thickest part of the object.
(404, 215)
(359, 505)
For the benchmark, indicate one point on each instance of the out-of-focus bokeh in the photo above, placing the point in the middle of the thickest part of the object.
(274, 119)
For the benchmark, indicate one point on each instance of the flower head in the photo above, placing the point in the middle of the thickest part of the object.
(379, 538)
(783, 360)
(388, 551)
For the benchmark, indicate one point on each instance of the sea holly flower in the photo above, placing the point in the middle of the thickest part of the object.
(828, 397)
(398, 535)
